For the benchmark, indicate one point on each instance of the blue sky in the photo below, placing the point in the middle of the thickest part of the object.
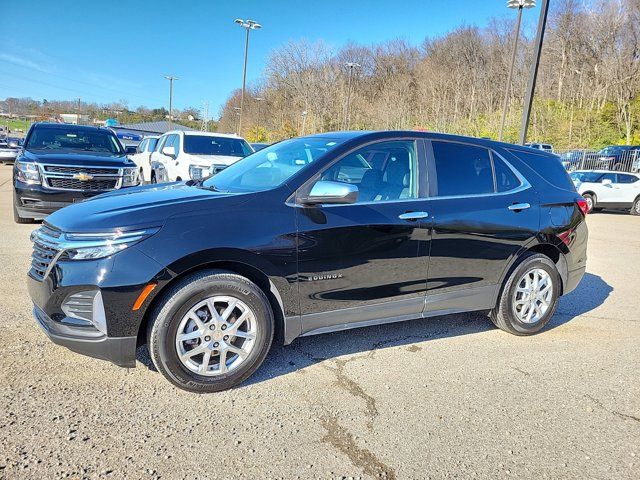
(102, 52)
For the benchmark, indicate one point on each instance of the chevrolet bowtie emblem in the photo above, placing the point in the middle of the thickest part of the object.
(83, 177)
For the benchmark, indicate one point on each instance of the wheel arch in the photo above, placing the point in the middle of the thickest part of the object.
(251, 272)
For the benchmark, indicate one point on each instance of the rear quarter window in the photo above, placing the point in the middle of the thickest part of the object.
(548, 167)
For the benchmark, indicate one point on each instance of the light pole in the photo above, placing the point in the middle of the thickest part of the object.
(520, 5)
(304, 122)
(533, 76)
(347, 118)
(171, 79)
(248, 25)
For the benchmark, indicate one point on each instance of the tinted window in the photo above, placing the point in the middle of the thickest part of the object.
(209, 145)
(505, 178)
(548, 167)
(623, 178)
(609, 176)
(142, 146)
(586, 177)
(73, 138)
(161, 141)
(152, 144)
(383, 171)
(176, 143)
(462, 169)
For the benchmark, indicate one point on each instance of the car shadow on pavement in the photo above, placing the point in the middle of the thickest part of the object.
(307, 351)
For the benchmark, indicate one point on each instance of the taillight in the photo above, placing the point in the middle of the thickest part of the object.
(582, 205)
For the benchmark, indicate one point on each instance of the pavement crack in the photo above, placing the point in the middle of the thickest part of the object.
(340, 438)
(624, 416)
(525, 373)
(354, 388)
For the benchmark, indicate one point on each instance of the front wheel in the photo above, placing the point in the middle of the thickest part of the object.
(529, 297)
(211, 331)
(635, 209)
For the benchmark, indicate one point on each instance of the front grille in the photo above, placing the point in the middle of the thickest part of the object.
(45, 250)
(73, 184)
(75, 170)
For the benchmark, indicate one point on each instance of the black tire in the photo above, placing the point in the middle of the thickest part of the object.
(503, 315)
(635, 208)
(591, 201)
(175, 303)
(142, 182)
(153, 177)
(18, 219)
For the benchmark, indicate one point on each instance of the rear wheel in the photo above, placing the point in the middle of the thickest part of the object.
(153, 177)
(635, 209)
(211, 331)
(591, 201)
(529, 296)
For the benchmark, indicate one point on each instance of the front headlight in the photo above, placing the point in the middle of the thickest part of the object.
(91, 246)
(130, 177)
(28, 172)
(196, 172)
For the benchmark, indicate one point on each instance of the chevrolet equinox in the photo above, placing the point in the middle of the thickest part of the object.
(310, 235)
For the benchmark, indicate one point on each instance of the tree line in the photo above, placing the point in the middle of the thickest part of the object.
(588, 91)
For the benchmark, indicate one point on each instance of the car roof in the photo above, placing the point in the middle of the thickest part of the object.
(53, 125)
(199, 133)
(606, 171)
(364, 135)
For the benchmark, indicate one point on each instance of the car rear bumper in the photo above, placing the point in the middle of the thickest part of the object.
(573, 279)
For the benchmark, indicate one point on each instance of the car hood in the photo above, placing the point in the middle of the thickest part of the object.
(79, 159)
(138, 207)
(208, 160)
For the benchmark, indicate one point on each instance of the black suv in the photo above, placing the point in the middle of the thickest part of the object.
(61, 164)
(310, 235)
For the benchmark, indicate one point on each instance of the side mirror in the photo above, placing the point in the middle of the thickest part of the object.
(328, 192)
(607, 182)
(169, 151)
(130, 150)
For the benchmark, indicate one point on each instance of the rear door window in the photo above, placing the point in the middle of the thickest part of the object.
(624, 178)
(462, 169)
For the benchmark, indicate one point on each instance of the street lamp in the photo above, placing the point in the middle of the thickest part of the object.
(171, 79)
(520, 5)
(347, 117)
(248, 25)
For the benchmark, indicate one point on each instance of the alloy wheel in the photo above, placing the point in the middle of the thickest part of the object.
(216, 335)
(533, 296)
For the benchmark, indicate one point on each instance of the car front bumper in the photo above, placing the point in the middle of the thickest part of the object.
(118, 350)
(35, 201)
(119, 280)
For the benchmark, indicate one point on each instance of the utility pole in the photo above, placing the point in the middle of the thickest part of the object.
(347, 113)
(171, 78)
(531, 87)
(78, 112)
(248, 26)
(304, 122)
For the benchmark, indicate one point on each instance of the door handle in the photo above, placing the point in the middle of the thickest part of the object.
(516, 207)
(413, 216)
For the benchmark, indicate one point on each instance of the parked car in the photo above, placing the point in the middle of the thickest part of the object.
(259, 146)
(310, 235)
(545, 147)
(191, 155)
(616, 157)
(606, 189)
(9, 148)
(61, 164)
(142, 156)
(571, 159)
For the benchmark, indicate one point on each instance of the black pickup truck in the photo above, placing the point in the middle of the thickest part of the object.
(63, 164)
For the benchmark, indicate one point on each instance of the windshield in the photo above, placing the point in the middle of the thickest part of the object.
(271, 166)
(71, 138)
(586, 177)
(208, 145)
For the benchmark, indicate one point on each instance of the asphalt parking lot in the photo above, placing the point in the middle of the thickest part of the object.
(444, 397)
